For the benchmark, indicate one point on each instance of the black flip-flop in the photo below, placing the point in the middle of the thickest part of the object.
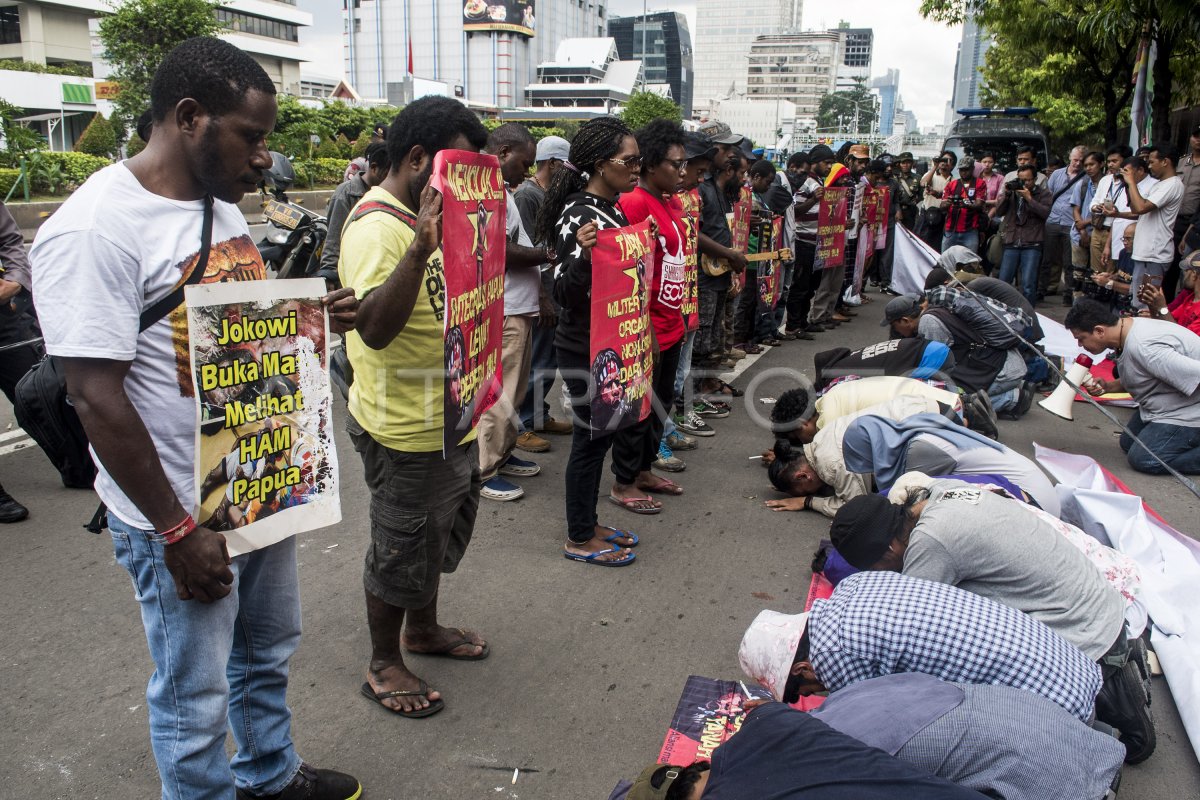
(434, 705)
(447, 654)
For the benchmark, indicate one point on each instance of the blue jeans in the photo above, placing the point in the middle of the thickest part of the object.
(1029, 258)
(218, 666)
(543, 364)
(682, 372)
(1142, 269)
(968, 239)
(1178, 445)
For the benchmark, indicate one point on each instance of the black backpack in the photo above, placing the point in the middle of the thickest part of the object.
(44, 409)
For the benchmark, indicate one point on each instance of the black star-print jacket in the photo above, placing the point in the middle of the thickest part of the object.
(573, 271)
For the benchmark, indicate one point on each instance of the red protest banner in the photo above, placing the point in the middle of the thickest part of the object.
(885, 214)
(621, 355)
(770, 273)
(690, 307)
(739, 222)
(869, 216)
(831, 229)
(473, 236)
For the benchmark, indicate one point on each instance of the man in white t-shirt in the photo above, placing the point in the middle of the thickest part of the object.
(516, 149)
(1159, 364)
(1154, 245)
(221, 631)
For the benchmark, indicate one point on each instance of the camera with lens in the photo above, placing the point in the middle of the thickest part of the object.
(1015, 185)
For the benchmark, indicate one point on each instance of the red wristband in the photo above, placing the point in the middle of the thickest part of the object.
(173, 535)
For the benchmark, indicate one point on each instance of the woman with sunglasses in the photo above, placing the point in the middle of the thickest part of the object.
(604, 162)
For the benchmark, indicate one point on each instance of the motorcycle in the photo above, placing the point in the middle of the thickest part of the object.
(295, 235)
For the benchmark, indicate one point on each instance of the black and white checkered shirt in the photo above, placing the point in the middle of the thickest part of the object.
(881, 623)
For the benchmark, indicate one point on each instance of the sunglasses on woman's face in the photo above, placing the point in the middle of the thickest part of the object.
(633, 162)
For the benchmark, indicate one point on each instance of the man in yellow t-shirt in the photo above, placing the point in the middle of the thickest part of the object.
(423, 503)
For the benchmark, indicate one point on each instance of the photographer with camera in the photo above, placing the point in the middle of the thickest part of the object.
(963, 203)
(933, 183)
(1024, 205)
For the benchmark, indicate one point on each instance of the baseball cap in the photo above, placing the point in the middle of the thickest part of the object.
(768, 649)
(1190, 261)
(654, 782)
(719, 133)
(553, 147)
(863, 529)
(966, 162)
(906, 305)
(860, 151)
(878, 165)
(747, 148)
(1196, 131)
(696, 145)
(821, 153)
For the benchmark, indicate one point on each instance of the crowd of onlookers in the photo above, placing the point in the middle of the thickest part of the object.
(1006, 658)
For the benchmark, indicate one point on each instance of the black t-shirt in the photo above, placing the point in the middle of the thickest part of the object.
(783, 754)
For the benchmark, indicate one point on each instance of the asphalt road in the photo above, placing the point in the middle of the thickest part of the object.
(586, 666)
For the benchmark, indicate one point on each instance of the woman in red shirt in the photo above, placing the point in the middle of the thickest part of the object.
(1185, 308)
(661, 144)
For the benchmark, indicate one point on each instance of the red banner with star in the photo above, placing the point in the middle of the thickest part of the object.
(621, 355)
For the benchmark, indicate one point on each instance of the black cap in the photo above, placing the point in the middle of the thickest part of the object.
(878, 165)
(906, 305)
(863, 529)
(821, 153)
(697, 145)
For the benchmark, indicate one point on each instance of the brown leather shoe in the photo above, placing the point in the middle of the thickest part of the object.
(532, 443)
(554, 426)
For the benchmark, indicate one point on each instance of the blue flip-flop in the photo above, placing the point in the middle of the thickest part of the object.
(592, 558)
(617, 533)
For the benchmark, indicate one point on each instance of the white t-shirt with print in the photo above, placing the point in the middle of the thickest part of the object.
(1115, 243)
(1154, 239)
(112, 250)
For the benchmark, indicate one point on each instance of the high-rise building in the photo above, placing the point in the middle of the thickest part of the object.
(724, 32)
(967, 77)
(666, 55)
(65, 33)
(888, 89)
(58, 32)
(858, 45)
(487, 51)
(800, 68)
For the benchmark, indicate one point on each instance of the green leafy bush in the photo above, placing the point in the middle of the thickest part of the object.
(8, 179)
(319, 172)
(99, 138)
(52, 171)
(74, 70)
(134, 146)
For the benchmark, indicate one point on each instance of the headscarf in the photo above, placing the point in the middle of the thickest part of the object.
(878, 445)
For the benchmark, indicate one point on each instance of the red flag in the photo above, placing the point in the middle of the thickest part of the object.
(410, 60)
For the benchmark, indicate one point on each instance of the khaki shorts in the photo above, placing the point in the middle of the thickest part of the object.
(423, 509)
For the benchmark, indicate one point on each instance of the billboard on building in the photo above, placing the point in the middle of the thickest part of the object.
(515, 16)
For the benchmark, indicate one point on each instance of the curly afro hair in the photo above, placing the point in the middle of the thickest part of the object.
(432, 122)
(212, 72)
(791, 408)
(655, 138)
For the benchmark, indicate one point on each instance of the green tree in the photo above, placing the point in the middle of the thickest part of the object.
(99, 138)
(19, 141)
(361, 142)
(642, 107)
(138, 35)
(840, 110)
(1084, 49)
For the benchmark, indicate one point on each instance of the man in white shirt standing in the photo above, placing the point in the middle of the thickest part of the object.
(221, 631)
(1154, 244)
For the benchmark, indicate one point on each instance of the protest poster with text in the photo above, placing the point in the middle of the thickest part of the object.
(621, 355)
(690, 308)
(869, 219)
(770, 273)
(266, 465)
(831, 229)
(739, 220)
(885, 216)
(473, 241)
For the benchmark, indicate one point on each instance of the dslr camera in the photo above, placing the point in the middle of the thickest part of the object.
(1015, 185)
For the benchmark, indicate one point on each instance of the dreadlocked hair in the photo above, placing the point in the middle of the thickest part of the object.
(596, 140)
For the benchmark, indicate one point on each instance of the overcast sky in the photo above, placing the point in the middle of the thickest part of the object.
(923, 51)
